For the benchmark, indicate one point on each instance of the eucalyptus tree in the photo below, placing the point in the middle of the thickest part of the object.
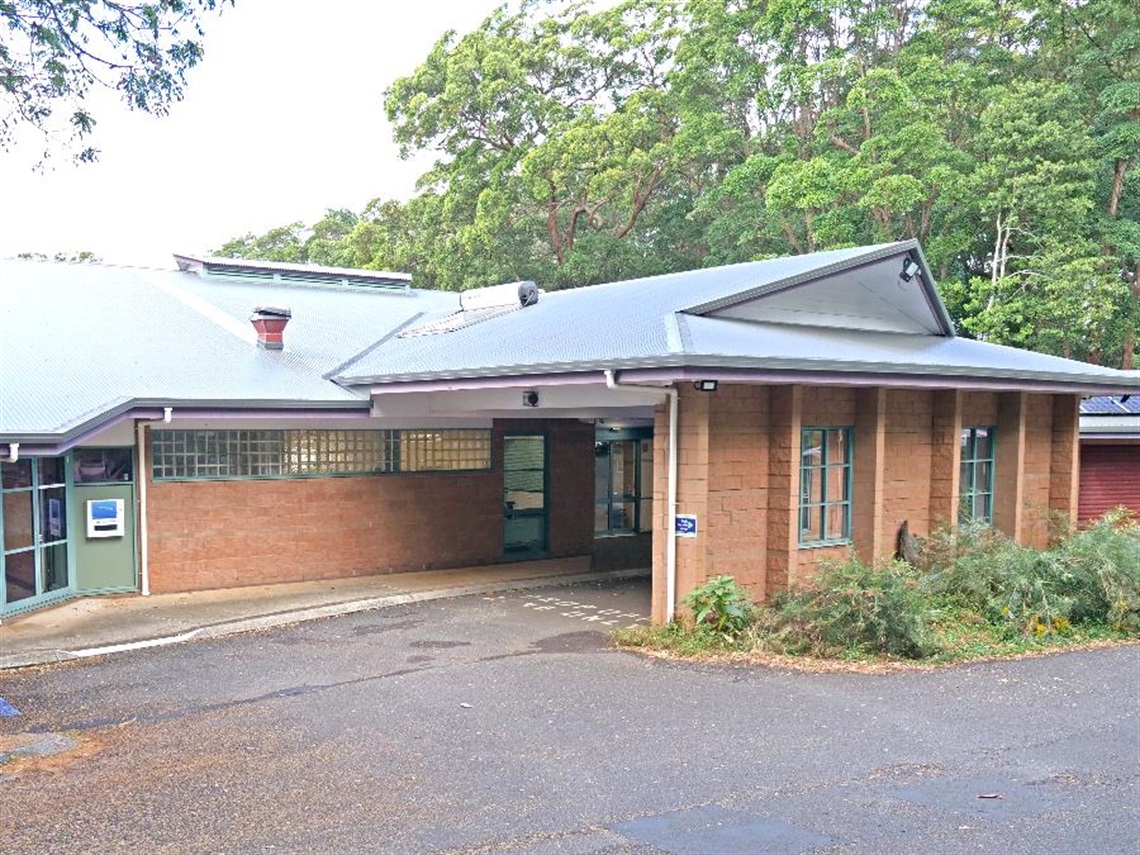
(54, 52)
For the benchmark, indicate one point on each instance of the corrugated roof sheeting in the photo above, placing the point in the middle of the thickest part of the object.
(78, 340)
(618, 322)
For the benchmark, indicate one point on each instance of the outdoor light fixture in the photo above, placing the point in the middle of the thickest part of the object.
(909, 268)
(705, 385)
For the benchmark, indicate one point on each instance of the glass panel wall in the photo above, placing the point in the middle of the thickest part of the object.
(33, 501)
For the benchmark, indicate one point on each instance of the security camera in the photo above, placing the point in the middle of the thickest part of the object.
(530, 398)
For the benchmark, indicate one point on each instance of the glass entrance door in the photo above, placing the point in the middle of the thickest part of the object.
(33, 493)
(623, 481)
(615, 487)
(524, 494)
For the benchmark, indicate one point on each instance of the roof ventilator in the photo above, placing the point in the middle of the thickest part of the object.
(270, 322)
(480, 304)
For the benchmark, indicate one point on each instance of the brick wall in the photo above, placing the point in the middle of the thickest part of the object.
(907, 464)
(216, 534)
(1037, 476)
(739, 471)
(738, 485)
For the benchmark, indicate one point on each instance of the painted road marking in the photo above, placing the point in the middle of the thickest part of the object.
(574, 610)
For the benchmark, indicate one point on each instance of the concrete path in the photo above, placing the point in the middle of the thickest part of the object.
(96, 626)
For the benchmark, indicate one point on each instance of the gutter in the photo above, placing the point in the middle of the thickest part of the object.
(52, 444)
(671, 490)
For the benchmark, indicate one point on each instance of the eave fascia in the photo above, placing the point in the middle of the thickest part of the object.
(152, 410)
(767, 371)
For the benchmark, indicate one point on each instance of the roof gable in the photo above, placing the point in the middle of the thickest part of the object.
(886, 289)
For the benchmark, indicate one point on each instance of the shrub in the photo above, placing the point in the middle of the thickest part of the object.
(721, 605)
(1091, 577)
(853, 607)
(1104, 561)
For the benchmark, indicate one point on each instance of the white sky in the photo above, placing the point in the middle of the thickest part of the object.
(283, 119)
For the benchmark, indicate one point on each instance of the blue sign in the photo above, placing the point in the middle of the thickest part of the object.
(104, 509)
(686, 525)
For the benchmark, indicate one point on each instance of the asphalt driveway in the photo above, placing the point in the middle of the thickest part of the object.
(508, 724)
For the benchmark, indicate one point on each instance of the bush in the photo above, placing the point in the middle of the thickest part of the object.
(851, 607)
(721, 605)
(1090, 577)
(1105, 561)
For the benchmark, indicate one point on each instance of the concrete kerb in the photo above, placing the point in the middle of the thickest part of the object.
(295, 616)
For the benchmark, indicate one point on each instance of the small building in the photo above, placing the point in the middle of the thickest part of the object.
(232, 423)
(1110, 454)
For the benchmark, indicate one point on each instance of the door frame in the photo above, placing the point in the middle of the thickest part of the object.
(526, 554)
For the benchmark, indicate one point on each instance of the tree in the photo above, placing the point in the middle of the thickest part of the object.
(582, 142)
(53, 52)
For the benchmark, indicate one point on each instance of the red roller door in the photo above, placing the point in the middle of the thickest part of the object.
(1110, 476)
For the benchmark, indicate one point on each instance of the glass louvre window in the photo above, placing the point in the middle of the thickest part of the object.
(825, 486)
(218, 454)
(976, 484)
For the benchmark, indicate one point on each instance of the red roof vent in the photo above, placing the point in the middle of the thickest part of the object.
(270, 325)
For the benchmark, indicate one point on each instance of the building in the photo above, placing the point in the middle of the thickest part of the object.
(1110, 454)
(772, 414)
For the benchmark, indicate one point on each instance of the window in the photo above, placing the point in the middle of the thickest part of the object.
(216, 454)
(100, 465)
(825, 486)
(976, 485)
(443, 450)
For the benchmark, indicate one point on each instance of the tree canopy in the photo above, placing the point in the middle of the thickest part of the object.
(53, 52)
(576, 144)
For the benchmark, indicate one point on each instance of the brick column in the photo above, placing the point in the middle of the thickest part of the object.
(1065, 461)
(946, 458)
(1009, 466)
(869, 468)
(693, 485)
(783, 487)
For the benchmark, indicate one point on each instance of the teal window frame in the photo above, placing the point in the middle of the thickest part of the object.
(976, 491)
(822, 507)
(33, 489)
(238, 454)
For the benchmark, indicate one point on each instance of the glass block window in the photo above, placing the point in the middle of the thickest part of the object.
(336, 452)
(825, 486)
(976, 484)
(444, 450)
(215, 454)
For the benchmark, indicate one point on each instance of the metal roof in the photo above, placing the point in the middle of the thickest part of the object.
(83, 344)
(80, 342)
(660, 322)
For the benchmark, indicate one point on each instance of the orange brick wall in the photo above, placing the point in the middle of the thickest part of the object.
(217, 534)
(979, 409)
(1037, 477)
(738, 484)
(907, 463)
(739, 470)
